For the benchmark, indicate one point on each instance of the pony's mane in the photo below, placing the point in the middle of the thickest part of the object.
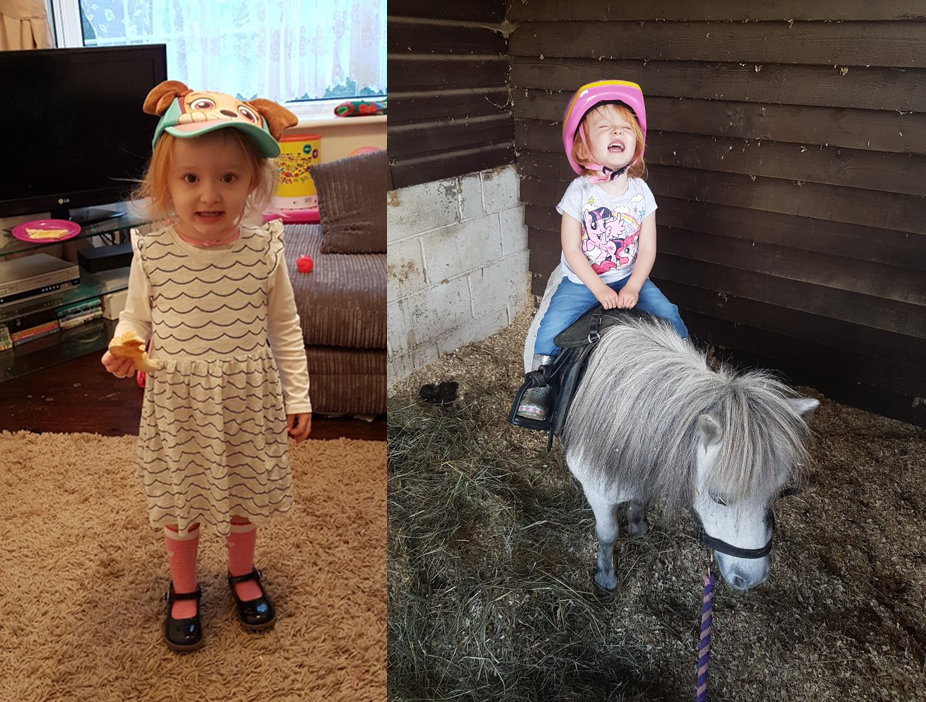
(634, 418)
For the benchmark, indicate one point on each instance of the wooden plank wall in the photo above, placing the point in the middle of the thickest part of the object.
(449, 112)
(787, 153)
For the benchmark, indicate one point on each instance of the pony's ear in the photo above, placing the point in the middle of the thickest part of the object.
(709, 429)
(804, 406)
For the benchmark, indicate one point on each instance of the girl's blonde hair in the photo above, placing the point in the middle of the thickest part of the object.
(153, 185)
(580, 152)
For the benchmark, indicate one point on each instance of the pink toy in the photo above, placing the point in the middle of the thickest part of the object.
(304, 264)
(360, 150)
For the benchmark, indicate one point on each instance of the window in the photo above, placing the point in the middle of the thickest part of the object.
(282, 50)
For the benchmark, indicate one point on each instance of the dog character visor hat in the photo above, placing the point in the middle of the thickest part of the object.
(198, 113)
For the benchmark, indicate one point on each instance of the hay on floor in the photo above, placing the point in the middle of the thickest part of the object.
(491, 544)
(85, 579)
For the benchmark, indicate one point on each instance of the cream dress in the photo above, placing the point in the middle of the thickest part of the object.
(212, 442)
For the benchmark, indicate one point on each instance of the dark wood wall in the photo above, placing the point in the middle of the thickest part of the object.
(449, 112)
(787, 154)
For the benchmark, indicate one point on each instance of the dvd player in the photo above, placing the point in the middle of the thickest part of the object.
(35, 275)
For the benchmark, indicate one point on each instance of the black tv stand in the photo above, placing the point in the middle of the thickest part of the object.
(86, 217)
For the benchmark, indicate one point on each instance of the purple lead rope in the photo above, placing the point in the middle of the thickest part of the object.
(704, 647)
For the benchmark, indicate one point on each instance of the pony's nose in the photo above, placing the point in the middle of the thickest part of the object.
(745, 581)
(738, 581)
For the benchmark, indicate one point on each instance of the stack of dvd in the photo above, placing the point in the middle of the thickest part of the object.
(78, 313)
(35, 325)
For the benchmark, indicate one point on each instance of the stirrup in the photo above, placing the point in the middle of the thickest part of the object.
(534, 379)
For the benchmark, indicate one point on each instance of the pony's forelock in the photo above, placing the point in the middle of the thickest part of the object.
(764, 440)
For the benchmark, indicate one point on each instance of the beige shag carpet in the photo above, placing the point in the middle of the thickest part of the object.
(84, 578)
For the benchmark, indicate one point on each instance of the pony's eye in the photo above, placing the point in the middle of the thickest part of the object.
(719, 499)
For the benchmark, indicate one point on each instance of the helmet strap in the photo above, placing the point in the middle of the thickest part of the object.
(609, 175)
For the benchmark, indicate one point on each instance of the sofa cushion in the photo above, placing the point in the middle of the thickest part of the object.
(347, 381)
(352, 203)
(342, 301)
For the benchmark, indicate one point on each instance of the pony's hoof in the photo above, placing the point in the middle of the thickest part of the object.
(603, 584)
(638, 529)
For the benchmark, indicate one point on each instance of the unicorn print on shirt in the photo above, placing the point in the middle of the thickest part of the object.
(609, 236)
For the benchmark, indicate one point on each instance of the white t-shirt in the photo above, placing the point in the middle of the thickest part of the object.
(610, 225)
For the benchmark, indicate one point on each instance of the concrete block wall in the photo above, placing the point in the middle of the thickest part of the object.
(457, 265)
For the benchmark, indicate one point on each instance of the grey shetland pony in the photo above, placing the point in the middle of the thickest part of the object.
(651, 419)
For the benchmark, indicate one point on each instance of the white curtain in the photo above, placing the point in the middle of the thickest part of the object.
(277, 49)
(24, 25)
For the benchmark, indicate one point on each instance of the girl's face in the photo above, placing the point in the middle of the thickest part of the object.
(209, 182)
(611, 138)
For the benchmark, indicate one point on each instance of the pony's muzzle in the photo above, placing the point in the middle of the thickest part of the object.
(743, 574)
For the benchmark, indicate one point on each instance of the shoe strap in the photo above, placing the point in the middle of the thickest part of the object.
(175, 596)
(253, 575)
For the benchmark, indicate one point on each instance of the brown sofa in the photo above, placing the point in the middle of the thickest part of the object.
(342, 306)
(342, 301)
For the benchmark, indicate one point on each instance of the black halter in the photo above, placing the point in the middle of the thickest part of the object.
(729, 549)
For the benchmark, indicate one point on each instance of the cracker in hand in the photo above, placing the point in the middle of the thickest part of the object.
(128, 345)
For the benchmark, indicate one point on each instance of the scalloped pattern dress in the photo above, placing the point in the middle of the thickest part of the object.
(213, 438)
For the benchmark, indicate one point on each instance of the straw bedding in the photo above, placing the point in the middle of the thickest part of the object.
(490, 548)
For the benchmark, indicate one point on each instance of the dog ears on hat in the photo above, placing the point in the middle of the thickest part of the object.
(278, 117)
(162, 95)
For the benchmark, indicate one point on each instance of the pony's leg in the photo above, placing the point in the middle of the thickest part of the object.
(606, 530)
(636, 518)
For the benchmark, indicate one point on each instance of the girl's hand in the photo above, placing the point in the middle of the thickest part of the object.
(299, 426)
(119, 367)
(607, 297)
(627, 297)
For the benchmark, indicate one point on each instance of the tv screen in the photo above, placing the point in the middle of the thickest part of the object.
(74, 134)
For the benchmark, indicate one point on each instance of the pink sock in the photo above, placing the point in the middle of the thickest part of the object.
(181, 558)
(241, 557)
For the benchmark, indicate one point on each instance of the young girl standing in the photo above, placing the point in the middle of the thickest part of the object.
(211, 294)
(608, 230)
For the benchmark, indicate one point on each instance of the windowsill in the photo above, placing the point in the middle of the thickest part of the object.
(321, 114)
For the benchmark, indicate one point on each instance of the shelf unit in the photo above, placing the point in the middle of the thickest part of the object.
(63, 345)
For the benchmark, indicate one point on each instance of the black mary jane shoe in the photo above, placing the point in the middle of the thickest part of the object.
(183, 635)
(255, 615)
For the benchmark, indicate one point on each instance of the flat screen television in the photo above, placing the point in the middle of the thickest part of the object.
(73, 134)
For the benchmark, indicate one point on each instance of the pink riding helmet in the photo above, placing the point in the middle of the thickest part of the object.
(589, 97)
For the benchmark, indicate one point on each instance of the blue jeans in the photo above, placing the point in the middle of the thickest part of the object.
(572, 299)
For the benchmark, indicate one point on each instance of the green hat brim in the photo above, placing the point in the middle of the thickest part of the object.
(267, 144)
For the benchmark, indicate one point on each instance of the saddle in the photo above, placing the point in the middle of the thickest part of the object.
(563, 375)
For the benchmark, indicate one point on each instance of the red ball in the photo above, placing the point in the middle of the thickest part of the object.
(304, 264)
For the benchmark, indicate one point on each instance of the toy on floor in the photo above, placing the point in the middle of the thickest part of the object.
(360, 108)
